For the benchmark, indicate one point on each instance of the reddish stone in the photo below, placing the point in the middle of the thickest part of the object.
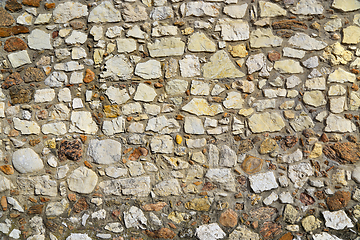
(34, 142)
(6, 19)
(7, 169)
(11, 80)
(81, 205)
(274, 55)
(287, 236)
(55, 34)
(33, 74)
(76, 25)
(306, 199)
(208, 186)
(288, 142)
(324, 138)
(3, 203)
(161, 233)
(37, 209)
(71, 150)
(263, 213)
(13, 6)
(284, 33)
(138, 152)
(19, 30)
(289, 24)
(339, 200)
(270, 230)
(347, 152)
(72, 197)
(154, 206)
(252, 164)
(229, 218)
(5, 32)
(14, 44)
(50, 5)
(33, 3)
(89, 76)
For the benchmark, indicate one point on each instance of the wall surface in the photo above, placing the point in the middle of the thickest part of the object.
(142, 119)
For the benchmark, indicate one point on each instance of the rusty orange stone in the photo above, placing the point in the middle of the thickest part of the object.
(228, 218)
(3, 203)
(252, 164)
(89, 76)
(33, 3)
(7, 169)
(6, 19)
(154, 206)
(50, 5)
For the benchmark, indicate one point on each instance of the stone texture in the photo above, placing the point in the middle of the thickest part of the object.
(27, 161)
(82, 180)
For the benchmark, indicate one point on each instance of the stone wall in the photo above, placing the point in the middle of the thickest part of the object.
(142, 119)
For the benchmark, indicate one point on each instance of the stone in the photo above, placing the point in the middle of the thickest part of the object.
(76, 37)
(308, 7)
(333, 25)
(164, 233)
(339, 200)
(148, 70)
(314, 98)
(268, 9)
(44, 95)
(14, 44)
(199, 9)
(266, 122)
(39, 40)
(299, 173)
(200, 106)
(33, 74)
(228, 218)
(43, 18)
(316, 83)
(305, 42)
(252, 164)
(26, 160)
(310, 223)
(106, 151)
(236, 11)
(341, 76)
(290, 215)
(117, 68)
(198, 204)
(20, 58)
(242, 232)
(78, 236)
(193, 125)
(346, 5)
(337, 220)
(15, 204)
(125, 45)
(264, 38)
(220, 66)
(11, 80)
(267, 146)
(238, 50)
(67, 11)
(210, 232)
(134, 13)
(162, 144)
(221, 176)
(135, 218)
(189, 66)
(262, 182)
(199, 42)
(166, 47)
(324, 236)
(26, 127)
(167, 188)
(199, 88)
(117, 96)
(104, 12)
(161, 13)
(56, 128)
(145, 93)
(288, 66)
(336, 123)
(82, 180)
(301, 123)
(162, 125)
(82, 122)
(6, 19)
(351, 35)
(233, 30)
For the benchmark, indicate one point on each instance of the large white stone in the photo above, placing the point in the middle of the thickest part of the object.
(39, 40)
(340, 124)
(233, 100)
(288, 66)
(18, 59)
(337, 220)
(67, 11)
(167, 188)
(76, 37)
(263, 37)
(125, 45)
(162, 144)
(117, 96)
(176, 87)
(200, 106)
(190, 66)
(236, 11)
(263, 182)
(199, 9)
(106, 151)
(27, 161)
(162, 125)
(233, 30)
(117, 68)
(199, 42)
(82, 122)
(266, 122)
(145, 93)
(150, 69)
(305, 42)
(166, 47)
(82, 180)
(104, 12)
(308, 7)
(268, 9)
(26, 127)
(78, 236)
(56, 128)
(346, 5)
(341, 76)
(210, 232)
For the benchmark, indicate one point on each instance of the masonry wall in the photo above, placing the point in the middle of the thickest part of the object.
(141, 119)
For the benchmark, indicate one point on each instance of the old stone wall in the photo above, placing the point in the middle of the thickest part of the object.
(179, 119)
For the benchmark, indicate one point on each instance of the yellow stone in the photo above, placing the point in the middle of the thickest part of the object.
(177, 217)
(238, 50)
(187, 31)
(317, 151)
(246, 112)
(51, 143)
(178, 139)
(198, 204)
(112, 111)
(98, 55)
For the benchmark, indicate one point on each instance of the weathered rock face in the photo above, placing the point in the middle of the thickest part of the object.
(156, 119)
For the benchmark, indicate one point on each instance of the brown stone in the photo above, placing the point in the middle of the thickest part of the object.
(13, 133)
(270, 230)
(70, 150)
(263, 213)
(320, 195)
(288, 142)
(274, 55)
(19, 30)
(308, 133)
(11, 80)
(13, 6)
(112, 111)
(3, 203)
(14, 44)
(76, 25)
(33, 74)
(245, 146)
(252, 164)
(81, 205)
(7, 169)
(287, 236)
(6, 19)
(229, 218)
(267, 146)
(34, 142)
(165, 233)
(50, 5)
(72, 197)
(33, 3)
(339, 200)
(138, 152)
(347, 152)
(42, 114)
(154, 206)
(289, 24)
(5, 32)
(37, 209)
(306, 199)
(284, 33)
(89, 76)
